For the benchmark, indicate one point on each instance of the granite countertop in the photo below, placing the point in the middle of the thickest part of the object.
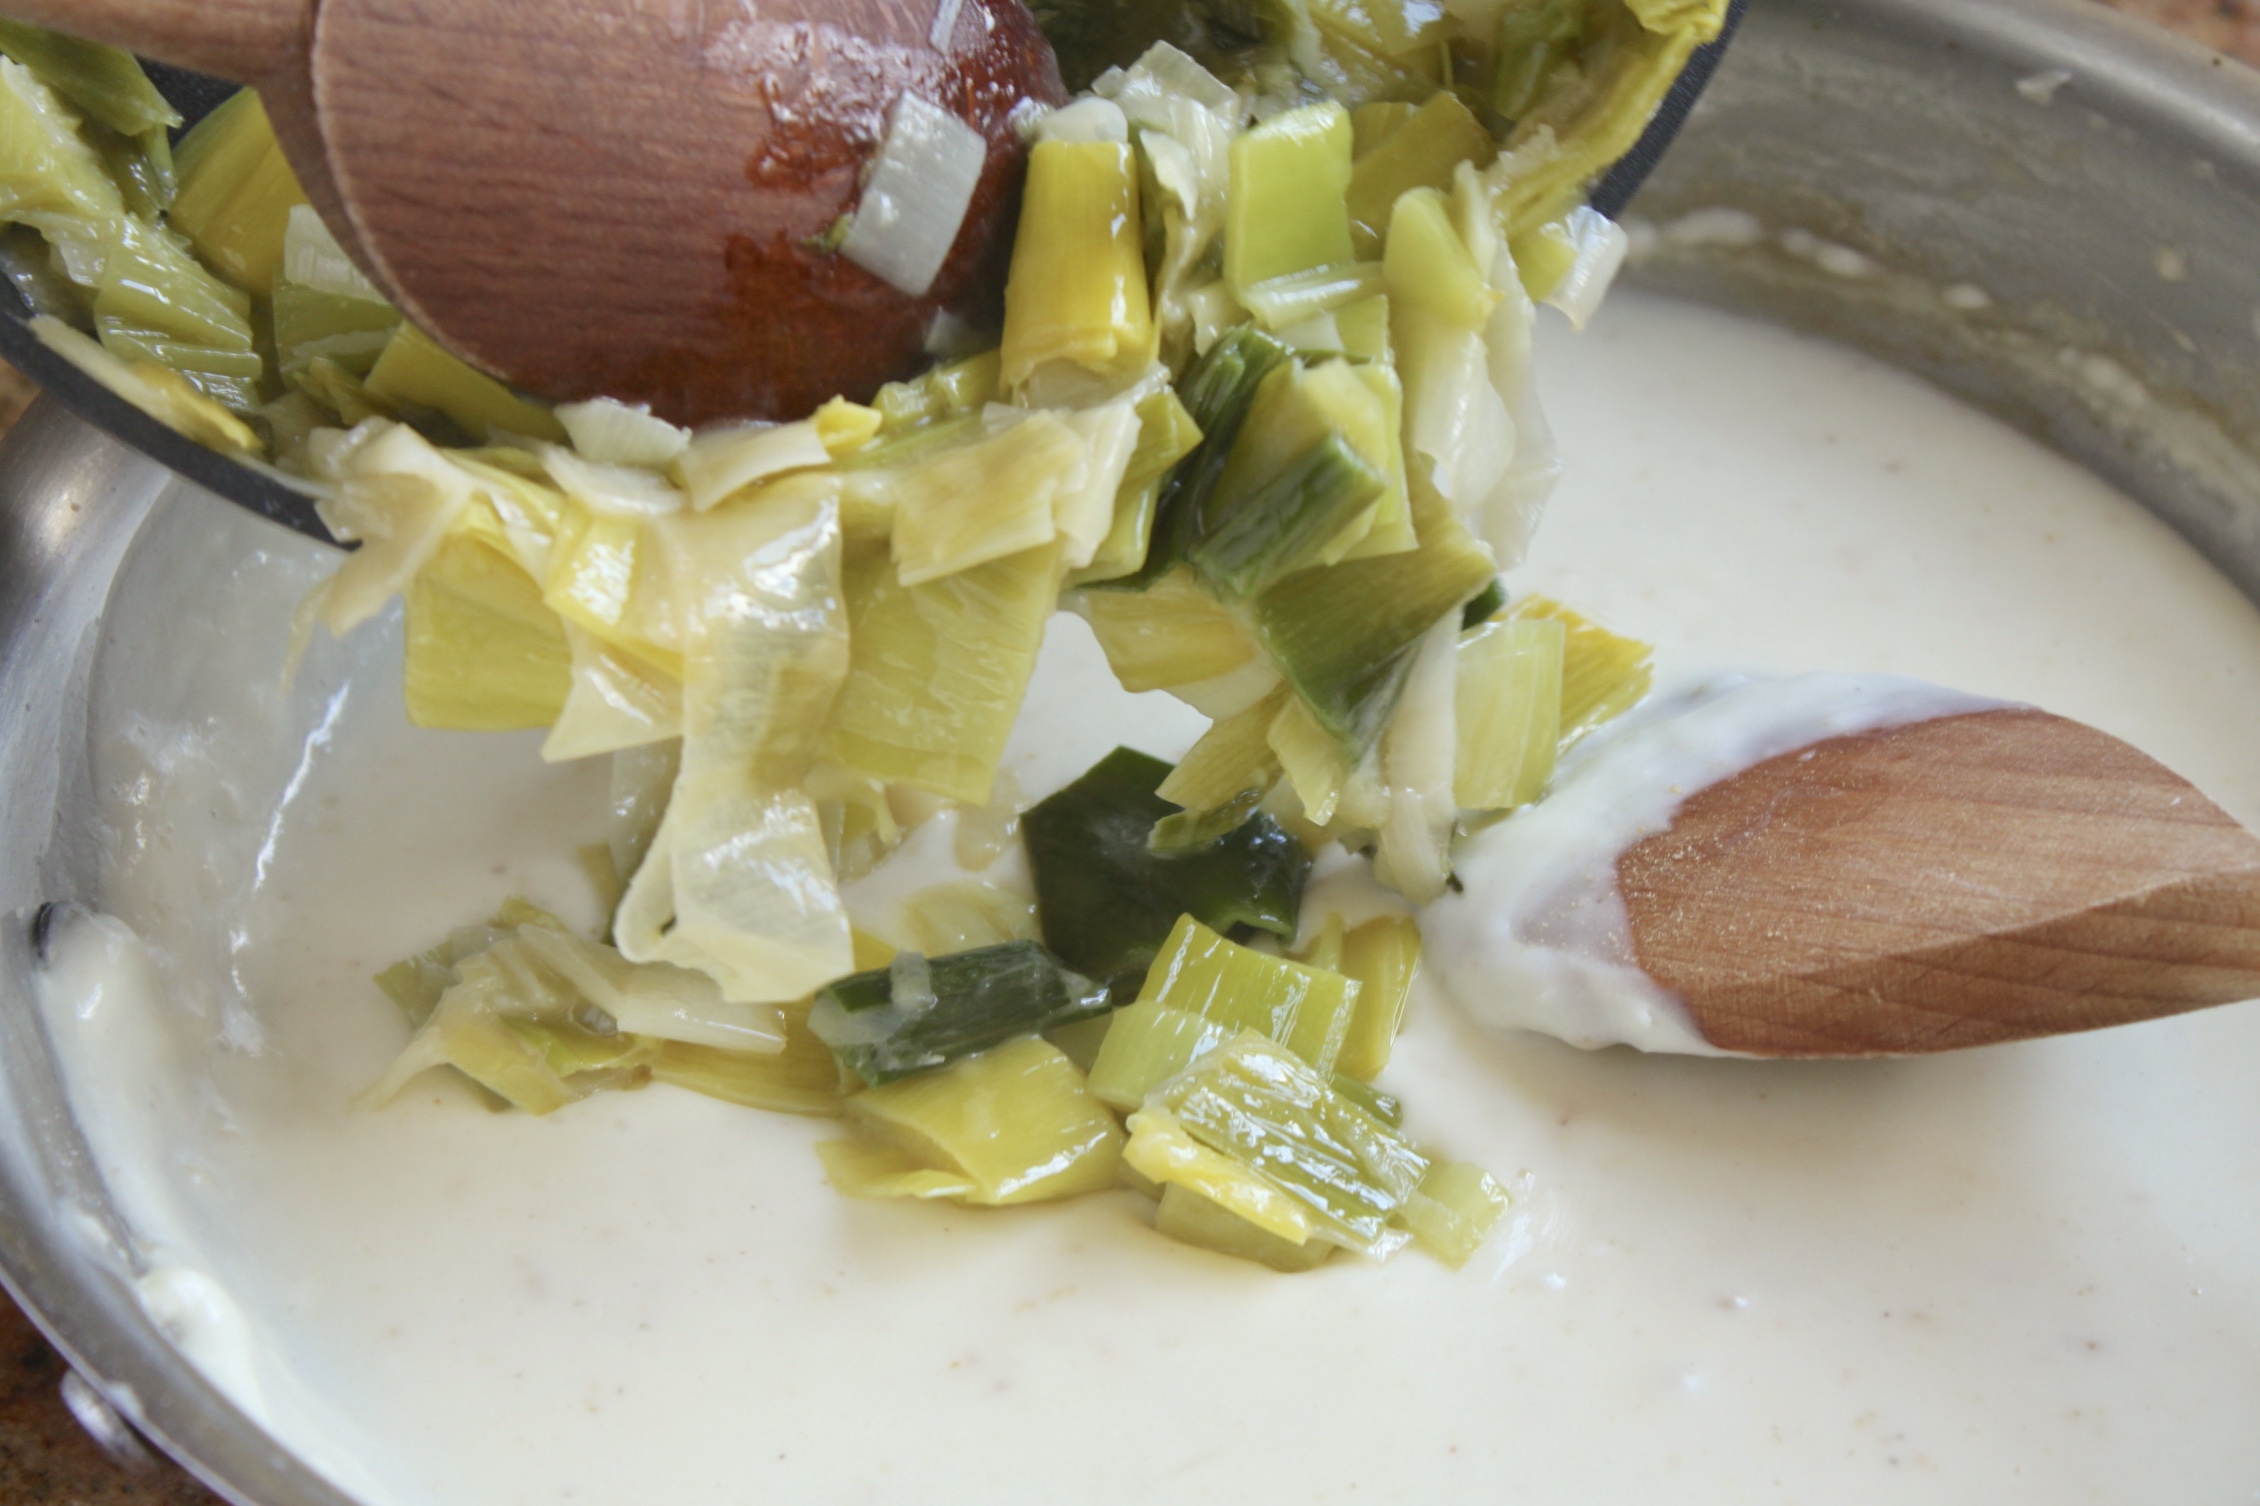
(46, 1459)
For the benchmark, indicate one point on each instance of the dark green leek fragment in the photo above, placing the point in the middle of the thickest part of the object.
(918, 1013)
(1280, 527)
(1490, 604)
(1344, 637)
(1217, 393)
(1107, 901)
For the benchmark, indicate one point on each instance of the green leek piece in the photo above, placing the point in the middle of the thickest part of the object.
(1452, 1211)
(1423, 152)
(1594, 102)
(946, 391)
(150, 283)
(228, 377)
(1107, 903)
(416, 983)
(1288, 300)
(312, 325)
(1013, 1125)
(804, 1078)
(1254, 1102)
(1172, 633)
(1386, 1107)
(1286, 211)
(936, 672)
(1508, 713)
(483, 653)
(163, 394)
(1302, 1008)
(32, 269)
(1361, 331)
(236, 192)
(1383, 955)
(415, 374)
(1162, 1154)
(1166, 435)
(1428, 267)
(51, 180)
(1603, 675)
(1292, 520)
(1349, 667)
(1315, 766)
(979, 502)
(1490, 604)
(1077, 290)
(126, 119)
(1189, 1218)
(1146, 1044)
(1535, 38)
(1231, 763)
(1217, 392)
(1315, 470)
(919, 1013)
(1082, 1040)
(1372, 124)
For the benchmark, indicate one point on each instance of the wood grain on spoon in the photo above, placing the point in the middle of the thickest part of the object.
(1956, 882)
(618, 197)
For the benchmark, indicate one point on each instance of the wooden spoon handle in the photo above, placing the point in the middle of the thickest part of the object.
(244, 40)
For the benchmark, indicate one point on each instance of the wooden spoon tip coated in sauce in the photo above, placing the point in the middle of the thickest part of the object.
(1955, 882)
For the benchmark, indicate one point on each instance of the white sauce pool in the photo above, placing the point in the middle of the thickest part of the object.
(2024, 1274)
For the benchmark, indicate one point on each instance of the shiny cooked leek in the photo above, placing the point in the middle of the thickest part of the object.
(937, 671)
(1012, 1125)
(1166, 435)
(918, 1013)
(1256, 1103)
(482, 653)
(1453, 1209)
(1420, 151)
(1287, 213)
(1382, 956)
(123, 117)
(1508, 712)
(1076, 294)
(1191, 1218)
(1172, 633)
(415, 374)
(1305, 1009)
(1604, 675)
(1107, 902)
(236, 192)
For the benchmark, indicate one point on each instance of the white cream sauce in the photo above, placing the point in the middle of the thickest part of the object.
(2014, 1275)
(1539, 938)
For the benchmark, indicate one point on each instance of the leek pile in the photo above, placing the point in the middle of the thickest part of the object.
(1259, 410)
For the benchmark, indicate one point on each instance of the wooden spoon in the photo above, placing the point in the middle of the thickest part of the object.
(1955, 882)
(621, 196)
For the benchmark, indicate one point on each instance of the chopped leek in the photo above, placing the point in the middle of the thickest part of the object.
(1279, 302)
(724, 461)
(1146, 1044)
(414, 374)
(1254, 1103)
(949, 391)
(1173, 633)
(1166, 435)
(668, 1003)
(937, 671)
(1232, 760)
(803, 1078)
(1305, 1009)
(1603, 675)
(1013, 1125)
(1190, 1218)
(1290, 183)
(1423, 151)
(1107, 902)
(1452, 1211)
(1383, 956)
(1217, 392)
(1077, 290)
(1161, 1151)
(1509, 712)
(483, 653)
(1349, 668)
(980, 502)
(1386, 1107)
(236, 192)
(918, 1013)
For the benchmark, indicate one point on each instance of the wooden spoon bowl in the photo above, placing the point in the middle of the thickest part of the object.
(623, 197)
(1955, 882)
